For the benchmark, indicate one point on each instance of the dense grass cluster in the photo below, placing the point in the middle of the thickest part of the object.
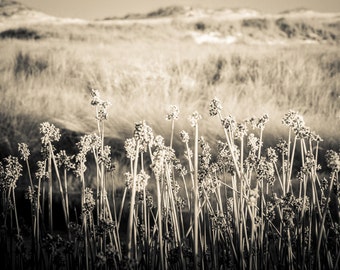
(236, 205)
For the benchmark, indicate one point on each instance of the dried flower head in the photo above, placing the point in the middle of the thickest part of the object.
(89, 202)
(194, 118)
(130, 148)
(64, 161)
(333, 160)
(142, 181)
(41, 172)
(104, 156)
(253, 143)
(50, 133)
(95, 97)
(10, 172)
(23, 151)
(215, 107)
(159, 141)
(272, 155)
(184, 136)
(241, 130)
(293, 120)
(173, 113)
(143, 133)
(229, 123)
(31, 194)
(262, 121)
(282, 147)
(101, 106)
(310, 164)
(89, 142)
(265, 171)
(80, 164)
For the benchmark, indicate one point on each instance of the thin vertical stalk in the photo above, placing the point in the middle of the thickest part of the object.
(172, 131)
(321, 226)
(132, 204)
(196, 218)
(66, 201)
(50, 192)
(159, 219)
(15, 211)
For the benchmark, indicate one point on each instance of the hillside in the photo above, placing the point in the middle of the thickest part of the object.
(202, 25)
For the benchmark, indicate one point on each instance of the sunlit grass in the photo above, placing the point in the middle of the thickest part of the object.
(234, 190)
(244, 206)
(39, 83)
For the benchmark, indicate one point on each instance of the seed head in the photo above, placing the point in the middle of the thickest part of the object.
(229, 123)
(241, 130)
(173, 113)
(80, 164)
(143, 133)
(215, 107)
(104, 156)
(89, 142)
(282, 147)
(265, 171)
(262, 121)
(101, 106)
(130, 148)
(272, 155)
(50, 133)
(95, 97)
(10, 173)
(293, 120)
(184, 136)
(159, 141)
(89, 202)
(41, 172)
(65, 161)
(23, 151)
(194, 118)
(142, 180)
(333, 160)
(253, 143)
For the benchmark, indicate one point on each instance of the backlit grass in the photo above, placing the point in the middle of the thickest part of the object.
(245, 206)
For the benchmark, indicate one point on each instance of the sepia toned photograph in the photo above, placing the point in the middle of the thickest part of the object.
(169, 134)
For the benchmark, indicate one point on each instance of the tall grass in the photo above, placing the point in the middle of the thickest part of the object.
(53, 87)
(216, 193)
(243, 206)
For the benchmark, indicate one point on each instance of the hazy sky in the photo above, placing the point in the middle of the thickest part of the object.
(91, 9)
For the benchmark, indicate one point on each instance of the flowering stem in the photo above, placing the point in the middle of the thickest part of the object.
(259, 151)
(29, 173)
(50, 192)
(66, 200)
(291, 165)
(15, 212)
(321, 227)
(60, 187)
(172, 132)
(132, 204)
(196, 218)
(159, 217)
(38, 222)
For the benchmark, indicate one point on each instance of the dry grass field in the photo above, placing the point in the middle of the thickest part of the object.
(142, 64)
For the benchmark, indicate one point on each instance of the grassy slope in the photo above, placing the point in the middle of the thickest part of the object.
(142, 69)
